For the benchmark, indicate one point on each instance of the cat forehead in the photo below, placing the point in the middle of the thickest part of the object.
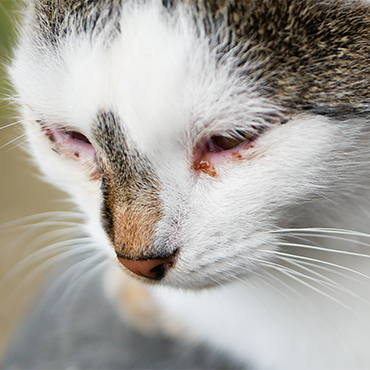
(151, 60)
(156, 74)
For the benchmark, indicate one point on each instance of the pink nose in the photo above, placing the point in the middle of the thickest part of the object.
(150, 268)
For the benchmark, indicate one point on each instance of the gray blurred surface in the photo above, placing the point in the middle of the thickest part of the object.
(84, 332)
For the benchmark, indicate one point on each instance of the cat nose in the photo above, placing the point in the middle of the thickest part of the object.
(150, 268)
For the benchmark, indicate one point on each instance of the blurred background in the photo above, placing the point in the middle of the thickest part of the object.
(22, 193)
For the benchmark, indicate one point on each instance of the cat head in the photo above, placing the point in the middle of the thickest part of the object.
(190, 131)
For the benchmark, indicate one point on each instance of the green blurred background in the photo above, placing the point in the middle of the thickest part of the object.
(21, 194)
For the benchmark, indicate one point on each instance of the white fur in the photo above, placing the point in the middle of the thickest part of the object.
(165, 85)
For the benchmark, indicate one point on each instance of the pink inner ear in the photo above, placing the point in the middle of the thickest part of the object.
(71, 143)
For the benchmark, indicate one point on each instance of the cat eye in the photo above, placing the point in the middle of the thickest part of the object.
(70, 143)
(218, 148)
(77, 136)
(220, 143)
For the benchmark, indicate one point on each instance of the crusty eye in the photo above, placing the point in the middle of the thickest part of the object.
(70, 143)
(73, 144)
(77, 136)
(218, 143)
(218, 148)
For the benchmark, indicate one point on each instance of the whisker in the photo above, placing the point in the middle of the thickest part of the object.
(36, 249)
(318, 230)
(18, 138)
(18, 145)
(82, 253)
(63, 234)
(62, 255)
(298, 276)
(323, 249)
(287, 286)
(331, 283)
(85, 272)
(67, 224)
(332, 237)
(276, 279)
(24, 134)
(5, 10)
(37, 269)
(11, 125)
(323, 262)
(42, 253)
(13, 140)
(36, 219)
(270, 280)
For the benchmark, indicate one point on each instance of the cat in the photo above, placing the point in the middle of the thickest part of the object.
(219, 152)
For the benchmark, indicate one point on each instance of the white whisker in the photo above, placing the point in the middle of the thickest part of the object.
(67, 224)
(276, 279)
(333, 236)
(18, 138)
(323, 262)
(313, 231)
(45, 252)
(273, 278)
(299, 277)
(36, 219)
(11, 125)
(80, 255)
(61, 235)
(52, 261)
(97, 261)
(323, 249)
(5, 10)
(13, 140)
(336, 287)
(74, 279)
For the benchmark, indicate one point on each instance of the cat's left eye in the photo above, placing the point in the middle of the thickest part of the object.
(218, 148)
(219, 143)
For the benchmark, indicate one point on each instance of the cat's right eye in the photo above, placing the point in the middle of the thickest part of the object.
(78, 136)
(70, 143)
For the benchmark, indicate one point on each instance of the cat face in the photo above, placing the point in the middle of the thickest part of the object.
(188, 134)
